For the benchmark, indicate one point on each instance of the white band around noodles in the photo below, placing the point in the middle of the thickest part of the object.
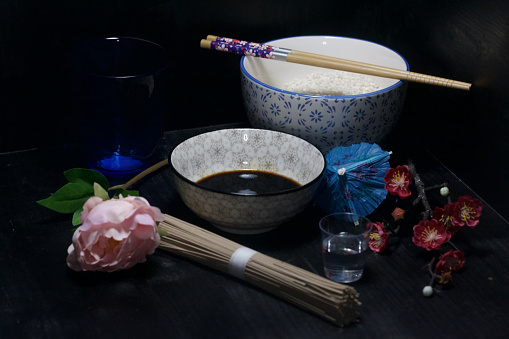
(238, 261)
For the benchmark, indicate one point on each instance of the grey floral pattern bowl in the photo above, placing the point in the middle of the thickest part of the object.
(246, 149)
(325, 121)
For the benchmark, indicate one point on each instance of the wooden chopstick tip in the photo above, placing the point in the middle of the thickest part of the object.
(205, 44)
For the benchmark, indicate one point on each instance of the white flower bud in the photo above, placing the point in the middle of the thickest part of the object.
(427, 291)
(444, 191)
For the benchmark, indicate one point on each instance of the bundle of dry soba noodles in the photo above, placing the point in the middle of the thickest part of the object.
(333, 301)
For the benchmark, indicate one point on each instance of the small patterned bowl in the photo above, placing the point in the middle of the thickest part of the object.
(242, 149)
(325, 121)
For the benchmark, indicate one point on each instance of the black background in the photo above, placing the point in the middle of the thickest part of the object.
(461, 40)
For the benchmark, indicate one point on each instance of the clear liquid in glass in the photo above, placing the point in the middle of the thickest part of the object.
(343, 259)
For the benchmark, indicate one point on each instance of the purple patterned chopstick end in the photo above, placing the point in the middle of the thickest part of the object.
(243, 48)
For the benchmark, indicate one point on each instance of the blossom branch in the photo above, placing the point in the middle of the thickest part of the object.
(421, 193)
(440, 186)
(436, 227)
(396, 230)
(434, 187)
(427, 291)
(433, 275)
(453, 245)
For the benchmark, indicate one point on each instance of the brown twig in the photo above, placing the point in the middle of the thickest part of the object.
(453, 245)
(141, 175)
(439, 186)
(421, 191)
(433, 274)
(149, 170)
(434, 187)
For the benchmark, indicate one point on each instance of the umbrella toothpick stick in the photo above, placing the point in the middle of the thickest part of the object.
(289, 55)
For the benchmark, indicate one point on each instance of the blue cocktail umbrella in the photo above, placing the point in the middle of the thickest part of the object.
(354, 179)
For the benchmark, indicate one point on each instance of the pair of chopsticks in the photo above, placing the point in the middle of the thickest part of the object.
(289, 55)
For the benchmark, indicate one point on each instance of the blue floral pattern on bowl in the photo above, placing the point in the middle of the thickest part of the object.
(326, 122)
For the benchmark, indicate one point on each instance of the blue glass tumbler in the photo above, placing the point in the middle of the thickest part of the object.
(120, 90)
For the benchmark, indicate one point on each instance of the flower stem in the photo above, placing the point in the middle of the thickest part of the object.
(396, 230)
(453, 245)
(433, 275)
(149, 170)
(434, 187)
(141, 175)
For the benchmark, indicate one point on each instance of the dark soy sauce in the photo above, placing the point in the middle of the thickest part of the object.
(248, 182)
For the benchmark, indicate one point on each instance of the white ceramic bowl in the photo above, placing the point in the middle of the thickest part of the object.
(242, 149)
(325, 121)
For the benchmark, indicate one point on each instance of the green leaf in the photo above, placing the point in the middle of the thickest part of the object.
(76, 217)
(74, 194)
(100, 192)
(69, 198)
(163, 233)
(86, 175)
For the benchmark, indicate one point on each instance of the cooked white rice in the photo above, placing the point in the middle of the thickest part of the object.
(335, 83)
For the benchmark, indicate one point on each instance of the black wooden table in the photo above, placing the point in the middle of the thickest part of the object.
(171, 297)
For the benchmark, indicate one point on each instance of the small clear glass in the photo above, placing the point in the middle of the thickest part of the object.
(345, 238)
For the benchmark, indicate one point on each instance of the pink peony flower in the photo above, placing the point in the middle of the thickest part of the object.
(378, 238)
(430, 234)
(116, 234)
(397, 181)
(467, 211)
